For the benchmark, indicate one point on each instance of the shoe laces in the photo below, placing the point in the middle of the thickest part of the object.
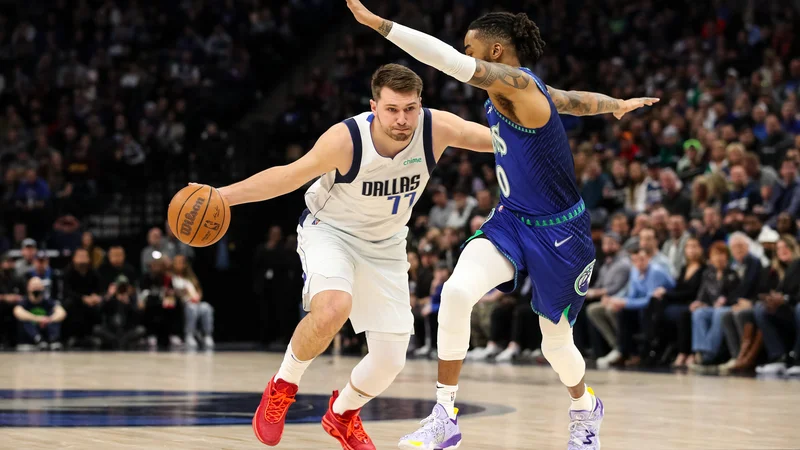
(578, 429)
(356, 429)
(279, 402)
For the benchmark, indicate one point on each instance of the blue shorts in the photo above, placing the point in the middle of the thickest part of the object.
(556, 252)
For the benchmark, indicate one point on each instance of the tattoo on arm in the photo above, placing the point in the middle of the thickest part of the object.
(385, 28)
(487, 73)
(579, 103)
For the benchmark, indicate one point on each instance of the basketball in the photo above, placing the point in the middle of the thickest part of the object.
(198, 215)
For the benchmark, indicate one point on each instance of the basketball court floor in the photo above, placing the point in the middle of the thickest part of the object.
(206, 400)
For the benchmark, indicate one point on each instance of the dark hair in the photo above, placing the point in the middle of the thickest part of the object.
(397, 78)
(517, 29)
(719, 247)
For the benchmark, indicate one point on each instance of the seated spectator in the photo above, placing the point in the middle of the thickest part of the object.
(673, 248)
(658, 222)
(673, 198)
(157, 247)
(463, 204)
(777, 313)
(785, 194)
(714, 300)
(12, 289)
(485, 203)
(786, 225)
(39, 319)
(614, 189)
(627, 310)
(668, 310)
(641, 222)
(81, 299)
(43, 271)
(635, 198)
(612, 277)
(753, 227)
(119, 325)
(481, 325)
(761, 175)
(96, 254)
(162, 312)
(619, 224)
(429, 311)
(692, 163)
(442, 208)
(24, 265)
(187, 289)
(648, 242)
(712, 228)
(744, 193)
(114, 266)
(592, 183)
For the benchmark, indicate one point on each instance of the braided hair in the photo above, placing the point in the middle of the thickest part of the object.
(517, 29)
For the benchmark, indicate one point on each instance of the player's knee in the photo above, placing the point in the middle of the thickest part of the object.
(330, 310)
(393, 364)
(457, 302)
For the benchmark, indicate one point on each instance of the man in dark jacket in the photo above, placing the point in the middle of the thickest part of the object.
(81, 298)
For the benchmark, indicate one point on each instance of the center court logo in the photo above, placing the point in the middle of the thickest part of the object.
(582, 282)
(121, 408)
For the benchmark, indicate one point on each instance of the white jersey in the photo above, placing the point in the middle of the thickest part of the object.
(374, 199)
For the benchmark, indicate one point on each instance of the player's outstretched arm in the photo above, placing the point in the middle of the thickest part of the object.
(450, 130)
(580, 103)
(329, 153)
(493, 77)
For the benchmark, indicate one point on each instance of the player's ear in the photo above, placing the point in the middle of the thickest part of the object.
(373, 106)
(497, 51)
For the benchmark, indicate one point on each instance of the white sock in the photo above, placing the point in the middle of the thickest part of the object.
(292, 369)
(446, 396)
(585, 402)
(349, 400)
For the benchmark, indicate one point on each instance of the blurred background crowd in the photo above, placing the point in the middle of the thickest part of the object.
(108, 107)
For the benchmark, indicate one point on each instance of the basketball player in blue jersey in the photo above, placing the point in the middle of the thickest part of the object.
(540, 225)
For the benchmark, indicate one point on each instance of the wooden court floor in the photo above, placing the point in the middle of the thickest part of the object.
(46, 401)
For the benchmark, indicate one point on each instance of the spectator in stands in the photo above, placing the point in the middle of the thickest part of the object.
(463, 204)
(43, 271)
(692, 163)
(430, 310)
(162, 312)
(24, 265)
(712, 228)
(636, 197)
(714, 300)
(759, 174)
(39, 319)
(744, 194)
(481, 326)
(485, 203)
(640, 222)
(777, 313)
(777, 142)
(119, 313)
(673, 198)
(614, 189)
(673, 248)
(512, 323)
(81, 298)
(115, 266)
(187, 289)
(32, 194)
(658, 222)
(649, 243)
(592, 184)
(620, 225)
(12, 289)
(96, 254)
(157, 248)
(668, 315)
(785, 194)
(442, 208)
(612, 277)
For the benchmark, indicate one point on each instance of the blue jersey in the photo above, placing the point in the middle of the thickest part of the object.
(534, 166)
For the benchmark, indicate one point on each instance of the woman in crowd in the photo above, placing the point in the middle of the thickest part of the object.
(187, 288)
(635, 198)
(669, 309)
(778, 312)
(713, 301)
(96, 254)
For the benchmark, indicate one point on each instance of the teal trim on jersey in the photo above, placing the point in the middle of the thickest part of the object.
(555, 219)
(510, 122)
(477, 234)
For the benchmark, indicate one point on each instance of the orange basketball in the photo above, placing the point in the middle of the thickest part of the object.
(199, 215)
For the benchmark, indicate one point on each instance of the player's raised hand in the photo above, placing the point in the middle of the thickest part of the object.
(363, 15)
(634, 103)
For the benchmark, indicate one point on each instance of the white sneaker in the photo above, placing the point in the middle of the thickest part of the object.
(776, 368)
(208, 342)
(191, 342)
(26, 347)
(507, 355)
(175, 341)
(152, 341)
(537, 355)
(487, 353)
(605, 361)
(55, 346)
(471, 354)
(793, 371)
(423, 351)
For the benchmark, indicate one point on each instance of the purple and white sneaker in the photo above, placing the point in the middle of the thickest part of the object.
(438, 432)
(584, 428)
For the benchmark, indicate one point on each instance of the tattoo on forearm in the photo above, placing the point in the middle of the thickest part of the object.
(487, 73)
(385, 28)
(580, 103)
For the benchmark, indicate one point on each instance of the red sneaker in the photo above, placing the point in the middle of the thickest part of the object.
(271, 413)
(347, 428)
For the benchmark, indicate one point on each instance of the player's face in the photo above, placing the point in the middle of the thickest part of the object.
(479, 49)
(397, 113)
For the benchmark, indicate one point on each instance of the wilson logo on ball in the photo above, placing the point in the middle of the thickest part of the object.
(186, 226)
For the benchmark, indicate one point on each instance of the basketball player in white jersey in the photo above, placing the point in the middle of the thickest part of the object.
(352, 242)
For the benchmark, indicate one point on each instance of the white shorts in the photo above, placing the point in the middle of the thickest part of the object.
(375, 274)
